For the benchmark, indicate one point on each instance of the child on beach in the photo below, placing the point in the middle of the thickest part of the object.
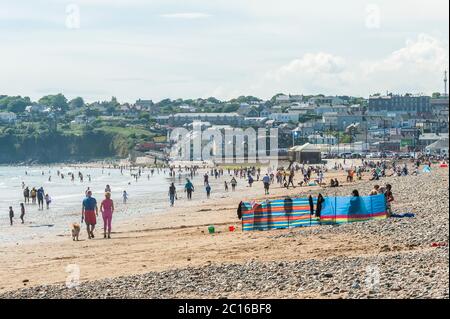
(233, 184)
(389, 198)
(48, 200)
(11, 215)
(125, 197)
(208, 190)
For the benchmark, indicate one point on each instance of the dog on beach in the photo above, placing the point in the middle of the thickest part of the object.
(75, 231)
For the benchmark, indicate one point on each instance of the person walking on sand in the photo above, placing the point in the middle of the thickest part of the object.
(89, 211)
(124, 197)
(40, 197)
(33, 195)
(266, 181)
(250, 180)
(291, 179)
(107, 209)
(172, 194)
(22, 212)
(208, 190)
(389, 199)
(189, 188)
(48, 200)
(11, 215)
(226, 186)
(26, 195)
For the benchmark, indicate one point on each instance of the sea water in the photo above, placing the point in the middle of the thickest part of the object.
(67, 196)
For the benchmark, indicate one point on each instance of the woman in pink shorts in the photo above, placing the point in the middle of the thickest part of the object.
(107, 209)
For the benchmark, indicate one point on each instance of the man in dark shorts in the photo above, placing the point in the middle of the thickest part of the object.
(189, 188)
(89, 212)
(266, 181)
(40, 197)
(26, 195)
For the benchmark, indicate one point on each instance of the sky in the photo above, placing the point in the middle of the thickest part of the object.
(158, 49)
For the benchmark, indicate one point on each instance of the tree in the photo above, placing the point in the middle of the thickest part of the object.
(17, 105)
(90, 112)
(60, 102)
(56, 102)
(114, 102)
(144, 116)
(76, 103)
(213, 100)
(229, 108)
(164, 103)
(436, 95)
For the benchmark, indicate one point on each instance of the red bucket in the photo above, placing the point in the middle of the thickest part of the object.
(231, 228)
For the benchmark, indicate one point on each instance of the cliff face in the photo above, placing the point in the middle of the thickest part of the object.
(60, 147)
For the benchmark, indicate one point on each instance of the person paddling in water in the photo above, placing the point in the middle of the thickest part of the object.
(89, 211)
(124, 197)
(22, 212)
(107, 209)
(172, 194)
(11, 215)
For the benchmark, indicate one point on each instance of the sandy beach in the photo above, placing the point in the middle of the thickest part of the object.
(170, 254)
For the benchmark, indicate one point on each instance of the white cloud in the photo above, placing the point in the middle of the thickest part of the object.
(417, 68)
(315, 64)
(186, 15)
(426, 53)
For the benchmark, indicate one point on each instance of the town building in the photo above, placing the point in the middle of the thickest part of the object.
(179, 119)
(326, 100)
(284, 117)
(305, 154)
(400, 104)
(322, 139)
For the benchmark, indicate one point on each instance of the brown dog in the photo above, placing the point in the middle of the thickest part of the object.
(75, 231)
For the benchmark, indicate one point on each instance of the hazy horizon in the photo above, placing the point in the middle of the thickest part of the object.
(197, 49)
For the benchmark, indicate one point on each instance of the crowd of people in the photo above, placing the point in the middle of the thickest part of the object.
(296, 175)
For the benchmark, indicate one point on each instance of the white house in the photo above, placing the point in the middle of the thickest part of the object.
(284, 117)
(330, 118)
(282, 99)
(36, 108)
(187, 108)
